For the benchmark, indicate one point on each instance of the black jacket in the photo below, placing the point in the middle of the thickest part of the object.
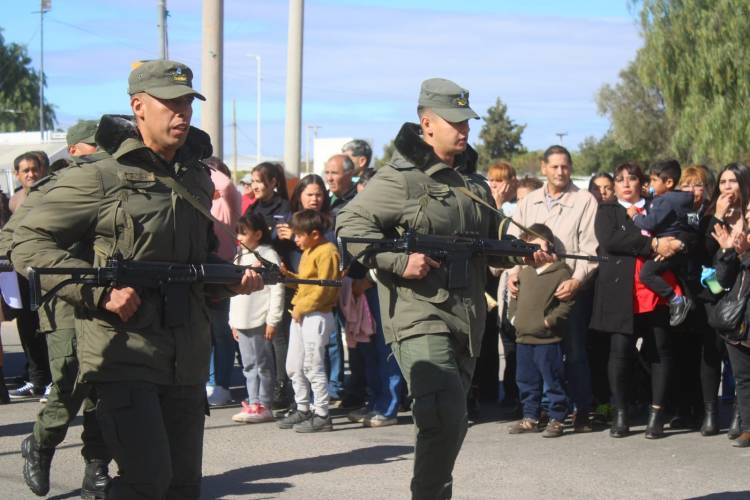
(667, 214)
(621, 241)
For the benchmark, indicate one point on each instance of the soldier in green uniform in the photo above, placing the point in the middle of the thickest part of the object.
(143, 196)
(56, 323)
(435, 332)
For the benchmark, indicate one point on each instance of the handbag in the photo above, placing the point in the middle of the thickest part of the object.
(729, 315)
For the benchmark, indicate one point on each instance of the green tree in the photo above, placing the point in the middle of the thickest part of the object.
(500, 137)
(695, 53)
(639, 122)
(388, 151)
(19, 91)
(600, 155)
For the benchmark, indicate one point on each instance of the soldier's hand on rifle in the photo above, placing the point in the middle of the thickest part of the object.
(123, 302)
(418, 266)
(251, 282)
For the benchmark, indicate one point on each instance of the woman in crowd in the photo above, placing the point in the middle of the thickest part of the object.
(602, 186)
(501, 177)
(732, 263)
(626, 309)
(725, 211)
(272, 202)
(226, 209)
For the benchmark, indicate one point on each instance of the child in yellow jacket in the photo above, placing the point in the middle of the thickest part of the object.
(312, 322)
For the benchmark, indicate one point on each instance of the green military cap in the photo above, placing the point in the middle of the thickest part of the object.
(83, 131)
(162, 79)
(448, 100)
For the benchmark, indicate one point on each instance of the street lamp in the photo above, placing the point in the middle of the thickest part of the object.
(257, 107)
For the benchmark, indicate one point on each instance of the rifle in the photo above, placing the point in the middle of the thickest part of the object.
(169, 278)
(455, 251)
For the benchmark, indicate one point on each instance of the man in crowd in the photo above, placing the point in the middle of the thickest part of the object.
(569, 213)
(28, 168)
(360, 153)
(56, 321)
(435, 331)
(338, 175)
(145, 352)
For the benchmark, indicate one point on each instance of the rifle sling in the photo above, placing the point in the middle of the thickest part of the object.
(503, 218)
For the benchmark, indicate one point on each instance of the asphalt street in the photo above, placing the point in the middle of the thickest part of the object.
(260, 461)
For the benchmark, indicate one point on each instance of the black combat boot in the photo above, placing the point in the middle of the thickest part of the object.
(36, 465)
(4, 396)
(655, 426)
(620, 427)
(735, 428)
(710, 425)
(95, 480)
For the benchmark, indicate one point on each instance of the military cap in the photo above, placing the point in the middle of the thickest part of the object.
(83, 131)
(448, 100)
(162, 79)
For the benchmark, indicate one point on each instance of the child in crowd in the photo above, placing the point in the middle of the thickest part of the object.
(254, 319)
(540, 320)
(666, 216)
(312, 323)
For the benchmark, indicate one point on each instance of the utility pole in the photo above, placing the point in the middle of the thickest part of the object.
(314, 129)
(45, 6)
(292, 129)
(234, 138)
(163, 39)
(257, 107)
(560, 135)
(212, 69)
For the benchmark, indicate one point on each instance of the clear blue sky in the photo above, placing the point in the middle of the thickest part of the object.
(364, 59)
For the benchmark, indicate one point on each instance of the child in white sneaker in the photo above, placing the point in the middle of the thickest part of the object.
(254, 319)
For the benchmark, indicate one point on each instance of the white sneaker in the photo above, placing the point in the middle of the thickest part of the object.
(45, 396)
(210, 390)
(261, 414)
(219, 397)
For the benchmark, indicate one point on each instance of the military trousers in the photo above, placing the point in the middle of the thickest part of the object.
(438, 370)
(155, 434)
(66, 398)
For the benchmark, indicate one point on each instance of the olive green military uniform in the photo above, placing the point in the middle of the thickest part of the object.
(149, 372)
(56, 322)
(435, 332)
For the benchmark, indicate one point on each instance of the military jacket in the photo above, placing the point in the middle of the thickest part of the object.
(116, 205)
(416, 190)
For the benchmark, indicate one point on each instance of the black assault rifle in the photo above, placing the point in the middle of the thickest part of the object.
(454, 251)
(171, 279)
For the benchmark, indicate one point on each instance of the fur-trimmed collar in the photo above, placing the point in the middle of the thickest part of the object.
(115, 130)
(411, 146)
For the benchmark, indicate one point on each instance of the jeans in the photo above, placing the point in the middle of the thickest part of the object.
(222, 358)
(577, 371)
(305, 362)
(538, 365)
(335, 358)
(257, 365)
(386, 391)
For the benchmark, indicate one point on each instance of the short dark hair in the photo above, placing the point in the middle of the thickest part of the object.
(358, 147)
(307, 221)
(28, 156)
(632, 168)
(530, 183)
(255, 222)
(556, 150)
(540, 229)
(43, 159)
(666, 169)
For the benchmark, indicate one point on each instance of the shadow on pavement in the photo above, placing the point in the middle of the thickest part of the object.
(240, 481)
(724, 495)
(71, 494)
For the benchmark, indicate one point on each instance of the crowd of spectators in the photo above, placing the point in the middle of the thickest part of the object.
(628, 337)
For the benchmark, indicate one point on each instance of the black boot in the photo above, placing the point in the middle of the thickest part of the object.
(620, 427)
(710, 426)
(36, 465)
(735, 428)
(280, 397)
(655, 426)
(4, 396)
(95, 480)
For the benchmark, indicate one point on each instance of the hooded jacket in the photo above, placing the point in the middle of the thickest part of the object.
(417, 190)
(114, 204)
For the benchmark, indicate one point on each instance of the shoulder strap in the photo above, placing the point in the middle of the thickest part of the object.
(504, 220)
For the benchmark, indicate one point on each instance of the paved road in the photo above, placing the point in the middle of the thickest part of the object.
(264, 462)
